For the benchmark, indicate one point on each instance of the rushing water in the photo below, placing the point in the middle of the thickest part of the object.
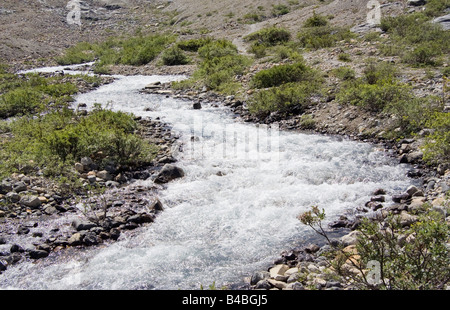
(233, 212)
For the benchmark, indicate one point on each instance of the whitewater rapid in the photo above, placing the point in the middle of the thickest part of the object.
(236, 208)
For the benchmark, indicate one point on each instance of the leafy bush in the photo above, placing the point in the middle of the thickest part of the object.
(284, 52)
(80, 53)
(290, 98)
(409, 257)
(280, 9)
(19, 101)
(419, 263)
(413, 114)
(415, 39)
(423, 54)
(219, 66)
(31, 93)
(55, 140)
(375, 72)
(174, 56)
(373, 97)
(344, 73)
(322, 37)
(216, 49)
(344, 57)
(136, 50)
(436, 7)
(316, 21)
(141, 50)
(437, 146)
(250, 18)
(269, 36)
(194, 44)
(281, 74)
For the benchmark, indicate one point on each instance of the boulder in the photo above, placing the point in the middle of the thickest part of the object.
(278, 270)
(75, 239)
(444, 21)
(258, 276)
(20, 187)
(416, 2)
(104, 175)
(37, 253)
(168, 173)
(32, 202)
(82, 225)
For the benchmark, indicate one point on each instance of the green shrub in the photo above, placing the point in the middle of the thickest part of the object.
(136, 50)
(54, 141)
(412, 114)
(220, 64)
(194, 44)
(373, 97)
(344, 57)
(141, 50)
(437, 146)
(344, 73)
(250, 18)
(436, 7)
(407, 257)
(375, 72)
(19, 101)
(322, 37)
(283, 52)
(423, 54)
(217, 49)
(290, 98)
(316, 21)
(31, 93)
(282, 74)
(258, 49)
(174, 56)
(419, 263)
(280, 9)
(269, 36)
(415, 39)
(80, 53)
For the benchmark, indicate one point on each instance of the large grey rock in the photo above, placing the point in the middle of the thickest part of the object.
(75, 239)
(168, 173)
(104, 175)
(258, 276)
(444, 21)
(31, 201)
(20, 187)
(5, 187)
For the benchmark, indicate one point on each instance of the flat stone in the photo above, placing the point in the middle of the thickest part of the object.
(75, 239)
(277, 284)
(278, 270)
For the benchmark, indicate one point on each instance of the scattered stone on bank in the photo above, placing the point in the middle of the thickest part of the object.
(30, 204)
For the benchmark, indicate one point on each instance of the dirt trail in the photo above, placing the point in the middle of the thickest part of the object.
(239, 41)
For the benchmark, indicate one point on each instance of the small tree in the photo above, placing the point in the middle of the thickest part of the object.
(405, 256)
